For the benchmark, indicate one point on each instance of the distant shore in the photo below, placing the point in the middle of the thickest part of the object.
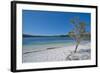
(56, 53)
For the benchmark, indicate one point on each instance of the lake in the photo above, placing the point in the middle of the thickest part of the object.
(42, 43)
(45, 40)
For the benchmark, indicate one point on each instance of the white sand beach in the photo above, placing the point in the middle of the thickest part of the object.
(57, 53)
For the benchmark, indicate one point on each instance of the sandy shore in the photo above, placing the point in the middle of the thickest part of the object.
(57, 53)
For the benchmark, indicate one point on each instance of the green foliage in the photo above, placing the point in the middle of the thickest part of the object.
(78, 32)
(79, 29)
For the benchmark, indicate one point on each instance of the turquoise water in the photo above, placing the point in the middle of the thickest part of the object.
(46, 40)
(42, 43)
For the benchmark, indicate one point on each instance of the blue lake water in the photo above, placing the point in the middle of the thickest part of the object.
(46, 40)
(42, 43)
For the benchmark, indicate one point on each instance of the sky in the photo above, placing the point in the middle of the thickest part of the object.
(51, 22)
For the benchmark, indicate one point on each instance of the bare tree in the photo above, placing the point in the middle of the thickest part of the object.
(78, 31)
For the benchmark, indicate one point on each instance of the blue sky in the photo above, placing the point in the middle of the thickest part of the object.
(51, 22)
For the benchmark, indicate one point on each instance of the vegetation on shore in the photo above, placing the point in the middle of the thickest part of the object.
(78, 32)
(27, 35)
(86, 36)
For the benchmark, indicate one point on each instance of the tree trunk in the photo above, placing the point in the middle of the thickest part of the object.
(76, 47)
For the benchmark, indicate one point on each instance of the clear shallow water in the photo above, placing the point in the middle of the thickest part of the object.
(41, 43)
(31, 44)
(46, 40)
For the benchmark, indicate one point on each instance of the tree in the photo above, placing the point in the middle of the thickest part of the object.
(78, 31)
